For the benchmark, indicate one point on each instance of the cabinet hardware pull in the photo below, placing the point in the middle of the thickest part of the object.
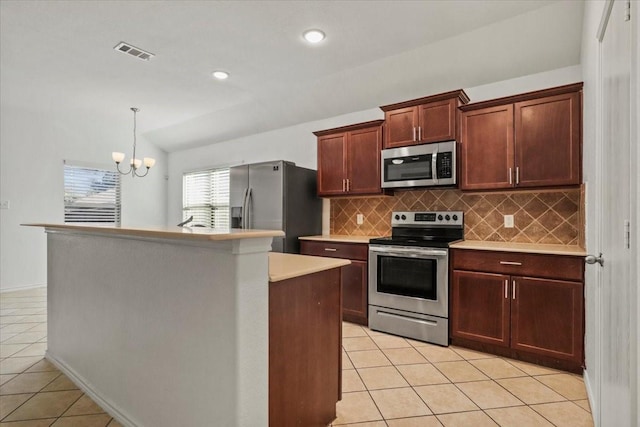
(510, 176)
(419, 133)
(506, 287)
(517, 175)
(330, 249)
(510, 263)
(348, 185)
(344, 183)
(513, 290)
(414, 133)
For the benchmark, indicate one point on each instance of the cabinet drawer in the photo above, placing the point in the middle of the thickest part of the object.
(519, 264)
(355, 251)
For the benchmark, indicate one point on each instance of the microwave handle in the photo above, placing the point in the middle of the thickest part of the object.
(434, 166)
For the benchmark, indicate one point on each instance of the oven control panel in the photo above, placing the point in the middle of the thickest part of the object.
(428, 219)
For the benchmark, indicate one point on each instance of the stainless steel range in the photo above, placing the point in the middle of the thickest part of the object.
(408, 275)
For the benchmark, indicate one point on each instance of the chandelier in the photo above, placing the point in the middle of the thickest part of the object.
(135, 163)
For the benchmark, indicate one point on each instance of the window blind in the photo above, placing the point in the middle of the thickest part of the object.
(206, 197)
(91, 195)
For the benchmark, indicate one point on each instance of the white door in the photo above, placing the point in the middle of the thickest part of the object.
(616, 371)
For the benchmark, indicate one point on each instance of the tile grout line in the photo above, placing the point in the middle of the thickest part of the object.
(34, 393)
(365, 385)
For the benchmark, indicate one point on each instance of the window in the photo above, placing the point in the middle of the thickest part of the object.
(91, 195)
(206, 197)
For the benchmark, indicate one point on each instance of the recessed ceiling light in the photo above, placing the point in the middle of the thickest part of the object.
(220, 75)
(313, 36)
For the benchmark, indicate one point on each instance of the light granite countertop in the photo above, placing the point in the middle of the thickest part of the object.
(519, 247)
(287, 266)
(174, 232)
(339, 238)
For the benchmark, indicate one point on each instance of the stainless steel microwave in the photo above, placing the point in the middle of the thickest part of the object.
(425, 165)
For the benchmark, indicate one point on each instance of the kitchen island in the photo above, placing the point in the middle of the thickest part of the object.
(171, 326)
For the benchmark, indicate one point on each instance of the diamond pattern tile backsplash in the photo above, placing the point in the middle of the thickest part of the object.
(549, 217)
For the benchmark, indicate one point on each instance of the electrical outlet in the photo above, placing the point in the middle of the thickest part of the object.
(359, 219)
(4, 204)
(508, 221)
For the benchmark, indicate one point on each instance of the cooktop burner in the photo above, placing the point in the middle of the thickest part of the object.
(427, 229)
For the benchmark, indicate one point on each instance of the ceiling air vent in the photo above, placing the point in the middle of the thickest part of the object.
(133, 51)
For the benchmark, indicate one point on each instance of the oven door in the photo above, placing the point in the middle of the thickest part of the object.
(413, 279)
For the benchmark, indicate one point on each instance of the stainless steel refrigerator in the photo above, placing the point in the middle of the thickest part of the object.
(276, 195)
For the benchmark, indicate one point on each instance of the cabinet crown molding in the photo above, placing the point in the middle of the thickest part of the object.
(559, 90)
(349, 128)
(460, 94)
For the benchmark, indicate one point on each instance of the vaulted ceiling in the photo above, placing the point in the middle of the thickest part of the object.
(60, 53)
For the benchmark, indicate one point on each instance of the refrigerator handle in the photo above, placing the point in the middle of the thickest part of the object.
(243, 220)
(248, 212)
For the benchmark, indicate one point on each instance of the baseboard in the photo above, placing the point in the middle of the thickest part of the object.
(21, 288)
(88, 390)
(591, 397)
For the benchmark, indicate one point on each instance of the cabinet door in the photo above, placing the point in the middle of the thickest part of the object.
(400, 127)
(547, 141)
(354, 292)
(363, 160)
(332, 164)
(437, 121)
(487, 148)
(480, 307)
(547, 317)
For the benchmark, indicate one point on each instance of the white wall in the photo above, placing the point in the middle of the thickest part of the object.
(298, 144)
(33, 145)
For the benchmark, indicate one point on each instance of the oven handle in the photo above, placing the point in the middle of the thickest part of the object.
(413, 319)
(408, 252)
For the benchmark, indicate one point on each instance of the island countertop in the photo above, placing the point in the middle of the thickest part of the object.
(287, 266)
(174, 232)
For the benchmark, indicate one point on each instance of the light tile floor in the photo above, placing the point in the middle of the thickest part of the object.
(396, 382)
(388, 381)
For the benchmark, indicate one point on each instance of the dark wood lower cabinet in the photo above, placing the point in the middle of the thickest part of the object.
(481, 309)
(355, 301)
(305, 334)
(547, 317)
(354, 292)
(536, 319)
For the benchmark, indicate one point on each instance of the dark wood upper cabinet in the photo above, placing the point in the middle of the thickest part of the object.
(332, 165)
(349, 159)
(547, 140)
(487, 162)
(522, 141)
(400, 127)
(363, 160)
(424, 120)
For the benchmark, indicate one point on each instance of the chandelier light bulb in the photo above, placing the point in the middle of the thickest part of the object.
(117, 157)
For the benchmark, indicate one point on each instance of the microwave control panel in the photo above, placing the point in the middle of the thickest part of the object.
(444, 164)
